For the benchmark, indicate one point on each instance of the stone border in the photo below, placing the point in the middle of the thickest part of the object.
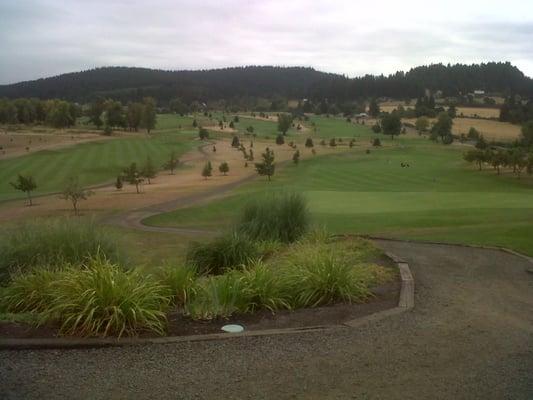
(405, 303)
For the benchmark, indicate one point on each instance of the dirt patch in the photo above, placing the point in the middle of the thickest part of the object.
(217, 128)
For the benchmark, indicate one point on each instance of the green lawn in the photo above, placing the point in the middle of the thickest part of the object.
(439, 197)
(95, 162)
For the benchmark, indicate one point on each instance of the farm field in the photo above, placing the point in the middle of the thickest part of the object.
(482, 112)
(439, 197)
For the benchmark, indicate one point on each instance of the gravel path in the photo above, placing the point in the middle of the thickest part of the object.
(470, 336)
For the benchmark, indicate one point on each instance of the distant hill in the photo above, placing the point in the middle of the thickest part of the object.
(125, 83)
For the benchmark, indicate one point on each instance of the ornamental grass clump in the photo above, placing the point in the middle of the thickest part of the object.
(178, 281)
(280, 217)
(96, 299)
(225, 252)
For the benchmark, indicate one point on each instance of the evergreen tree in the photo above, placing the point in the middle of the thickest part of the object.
(207, 171)
(149, 116)
(267, 166)
(280, 139)
(224, 168)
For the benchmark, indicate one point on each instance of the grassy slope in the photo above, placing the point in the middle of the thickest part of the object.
(438, 198)
(93, 162)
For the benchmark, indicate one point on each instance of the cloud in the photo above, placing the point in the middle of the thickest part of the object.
(48, 37)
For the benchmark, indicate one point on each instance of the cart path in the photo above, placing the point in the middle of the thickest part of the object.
(470, 336)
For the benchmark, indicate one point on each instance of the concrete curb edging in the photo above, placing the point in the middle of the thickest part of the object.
(405, 303)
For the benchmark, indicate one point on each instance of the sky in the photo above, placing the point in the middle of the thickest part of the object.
(40, 38)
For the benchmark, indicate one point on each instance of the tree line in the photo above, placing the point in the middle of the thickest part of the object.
(107, 113)
(244, 86)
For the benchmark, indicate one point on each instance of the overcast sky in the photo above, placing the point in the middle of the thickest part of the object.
(40, 38)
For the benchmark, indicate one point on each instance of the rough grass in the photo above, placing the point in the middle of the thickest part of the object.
(282, 217)
(55, 242)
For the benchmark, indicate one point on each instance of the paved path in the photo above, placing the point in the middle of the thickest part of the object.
(470, 336)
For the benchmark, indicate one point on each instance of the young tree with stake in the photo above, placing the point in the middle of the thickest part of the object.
(74, 192)
(25, 184)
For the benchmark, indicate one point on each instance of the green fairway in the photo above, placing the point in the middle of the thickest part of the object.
(438, 197)
(94, 163)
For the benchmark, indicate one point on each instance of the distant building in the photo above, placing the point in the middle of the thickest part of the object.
(361, 115)
(479, 92)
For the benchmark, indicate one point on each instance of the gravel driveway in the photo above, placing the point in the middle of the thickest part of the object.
(470, 336)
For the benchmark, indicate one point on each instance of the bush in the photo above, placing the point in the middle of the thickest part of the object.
(322, 278)
(99, 299)
(228, 251)
(376, 142)
(217, 296)
(179, 282)
(281, 217)
(55, 242)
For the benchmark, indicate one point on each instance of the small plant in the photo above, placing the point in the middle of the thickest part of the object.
(25, 184)
(207, 171)
(235, 142)
(179, 281)
(282, 217)
(203, 133)
(376, 142)
(224, 168)
(133, 176)
(118, 183)
(172, 163)
(309, 142)
(332, 142)
(74, 192)
(280, 139)
(296, 157)
(267, 166)
(227, 251)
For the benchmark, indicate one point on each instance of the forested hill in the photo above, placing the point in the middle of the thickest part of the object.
(124, 83)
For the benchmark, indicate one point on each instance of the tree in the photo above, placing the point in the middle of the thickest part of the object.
(332, 142)
(296, 157)
(391, 124)
(481, 143)
(376, 128)
(95, 111)
(134, 116)
(25, 184)
(194, 123)
(172, 163)
(133, 177)
(235, 142)
(373, 108)
(309, 142)
(59, 115)
(527, 134)
(473, 133)
(203, 133)
(74, 192)
(376, 142)
(224, 168)
(207, 171)
(422, 124)
(497, 160)
(280, 139)
(267, 166)
(118, 183)
(478, 156)
(452, 111)
(236, 119)
(284, 123)
(443, 126)
(149, 171)
(149, 117)
(114, 114)
(231, 125)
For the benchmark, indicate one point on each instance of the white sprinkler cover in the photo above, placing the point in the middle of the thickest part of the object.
(232, 328)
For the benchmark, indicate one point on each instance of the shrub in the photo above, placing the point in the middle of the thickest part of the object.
(376, 142)
(55, 242)
(98, 299)
(281, 217)
(323, 278)
(217, 296)
(228, 251)
(179, 281)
